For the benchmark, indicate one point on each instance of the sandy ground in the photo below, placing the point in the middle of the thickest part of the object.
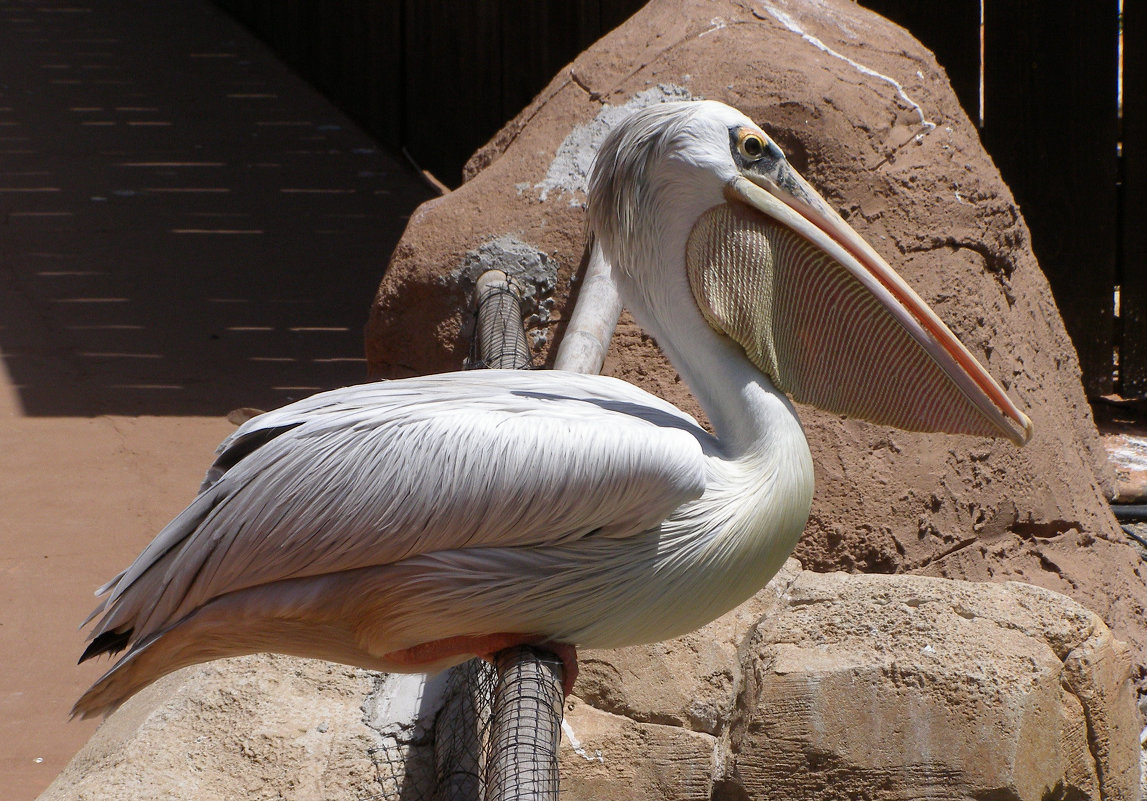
(185, 228)
(80, 498)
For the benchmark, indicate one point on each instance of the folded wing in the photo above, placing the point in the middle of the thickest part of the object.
(374, 474)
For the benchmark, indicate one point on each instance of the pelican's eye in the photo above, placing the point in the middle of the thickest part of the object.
(752, 146)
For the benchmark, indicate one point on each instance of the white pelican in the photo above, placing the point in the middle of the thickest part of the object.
(408, 525)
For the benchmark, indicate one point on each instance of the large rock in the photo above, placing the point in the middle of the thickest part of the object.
(851, 686)
(257, 727)
(866, 114)
(823, 686)
(908, 687)
(617, 757)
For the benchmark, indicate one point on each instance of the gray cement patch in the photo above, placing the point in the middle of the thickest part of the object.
(569, 171)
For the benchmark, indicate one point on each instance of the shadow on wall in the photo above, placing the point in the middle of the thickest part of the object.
(185, 226)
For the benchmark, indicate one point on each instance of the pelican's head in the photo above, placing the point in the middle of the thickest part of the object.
(696, 193)
(660, 168)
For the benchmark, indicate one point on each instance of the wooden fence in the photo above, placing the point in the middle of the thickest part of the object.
(436, 77)
(1050, 114)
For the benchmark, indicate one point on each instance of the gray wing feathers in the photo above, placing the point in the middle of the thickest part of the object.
(375, 474)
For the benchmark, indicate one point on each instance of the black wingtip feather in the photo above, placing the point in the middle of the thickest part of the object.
(110, 642)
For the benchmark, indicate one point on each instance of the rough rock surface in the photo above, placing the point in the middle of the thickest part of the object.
(822, 686)
(256, 727)
(965, 691)
(866, 114)
(849, 686)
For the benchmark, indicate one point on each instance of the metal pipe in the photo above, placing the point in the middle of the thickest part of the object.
(525, 724)
(500, 340)
(525, 721)
(525, 729)
(1130, 512)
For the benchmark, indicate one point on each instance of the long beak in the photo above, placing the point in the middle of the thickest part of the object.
(785, 197)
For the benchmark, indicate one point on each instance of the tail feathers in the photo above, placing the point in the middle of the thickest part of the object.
(95, 612)
(123, 680)
(267, 618)
(110, 642)
(107, 587)
(145, 662)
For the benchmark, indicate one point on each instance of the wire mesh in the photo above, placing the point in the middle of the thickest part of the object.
(495, 737)
(402, 772)
(448, 762)
(461, 732)
(497, 733)
(525, 726)
(499, 338)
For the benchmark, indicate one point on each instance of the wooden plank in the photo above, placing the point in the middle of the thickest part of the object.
(1133, 273)
(951, 30)
(452, 83)
(312, 40)
(327, 45)
(614, 12)
(538, 39)
(382, 70)
(541, 37)
(435, 76)
(283, 25)
(1050, 125)
(243, 10)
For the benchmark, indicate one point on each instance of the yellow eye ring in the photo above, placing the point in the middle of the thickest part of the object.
(751, 146)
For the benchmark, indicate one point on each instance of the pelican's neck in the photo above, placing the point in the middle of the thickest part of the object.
(747, 412)
(759, 485)
(749, 415)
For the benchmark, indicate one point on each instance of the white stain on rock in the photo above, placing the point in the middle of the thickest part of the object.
(577, 747)
(787, 20)
(569, 171)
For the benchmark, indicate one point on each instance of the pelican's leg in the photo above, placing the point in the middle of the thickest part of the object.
(486, 646)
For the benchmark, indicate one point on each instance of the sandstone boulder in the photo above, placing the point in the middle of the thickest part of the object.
(867, 115)
(905, 687)
(618, 757)
(889, 687)
(823, 686)
(247, 728)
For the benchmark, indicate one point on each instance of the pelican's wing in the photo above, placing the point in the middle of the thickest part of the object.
(373, 474)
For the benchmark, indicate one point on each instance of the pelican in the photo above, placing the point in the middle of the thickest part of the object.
(409, 525)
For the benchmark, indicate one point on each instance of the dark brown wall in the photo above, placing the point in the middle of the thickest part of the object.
(1051, 123)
